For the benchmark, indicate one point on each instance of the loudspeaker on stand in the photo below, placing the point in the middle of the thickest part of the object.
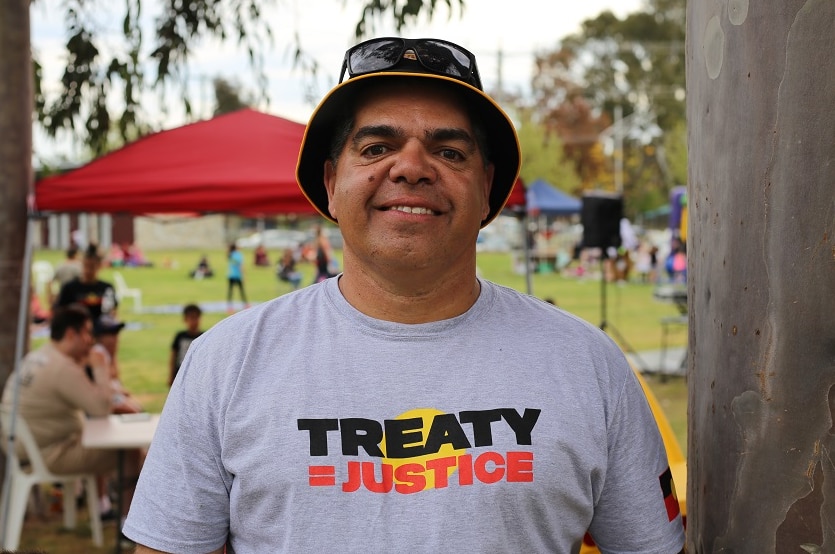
(600, 216)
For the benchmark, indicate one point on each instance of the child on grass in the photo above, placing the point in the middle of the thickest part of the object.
(183, 339)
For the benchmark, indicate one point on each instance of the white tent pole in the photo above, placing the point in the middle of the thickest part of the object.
(22, 322)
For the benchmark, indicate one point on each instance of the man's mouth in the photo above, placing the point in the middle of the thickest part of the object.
(413, 210)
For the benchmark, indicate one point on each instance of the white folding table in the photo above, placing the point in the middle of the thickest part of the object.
(119, 432)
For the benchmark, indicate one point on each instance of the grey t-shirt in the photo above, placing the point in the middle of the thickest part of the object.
(302, 425)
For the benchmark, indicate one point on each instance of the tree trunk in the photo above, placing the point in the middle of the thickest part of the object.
(16, 105)
(761, 276)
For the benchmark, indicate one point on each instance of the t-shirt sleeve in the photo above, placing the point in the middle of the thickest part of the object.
(181, 502)
(635, 512)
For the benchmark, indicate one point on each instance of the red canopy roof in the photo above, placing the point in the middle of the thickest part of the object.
(516, 201)
(242, 162)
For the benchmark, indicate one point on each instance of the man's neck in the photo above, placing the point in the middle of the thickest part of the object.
(65, 347)
(410, 297)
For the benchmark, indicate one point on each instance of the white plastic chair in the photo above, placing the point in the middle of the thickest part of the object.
(124, 291)
(23, 478)
(42, 274)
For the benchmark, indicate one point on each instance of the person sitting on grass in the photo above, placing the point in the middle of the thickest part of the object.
(287, 271)
(203, 269)
(261, 257)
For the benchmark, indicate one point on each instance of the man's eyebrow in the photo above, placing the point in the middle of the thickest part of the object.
(381, 131)
(435, 135)
(451, 134)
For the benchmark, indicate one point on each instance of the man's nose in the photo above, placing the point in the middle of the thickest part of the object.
(413, 164)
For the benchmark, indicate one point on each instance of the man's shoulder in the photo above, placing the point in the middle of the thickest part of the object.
(41, 354)
(525, 307)
(525, 302)
(47, 359)
(76, 284)
(186, 334)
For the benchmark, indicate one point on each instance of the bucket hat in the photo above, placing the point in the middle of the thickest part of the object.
(366, 64)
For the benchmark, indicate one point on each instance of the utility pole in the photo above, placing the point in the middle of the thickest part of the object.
(615, 132)
(619, 149)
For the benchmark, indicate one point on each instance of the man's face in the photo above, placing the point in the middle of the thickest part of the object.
(410, 188)
(82, 340)
(192, 321)
(90, 269)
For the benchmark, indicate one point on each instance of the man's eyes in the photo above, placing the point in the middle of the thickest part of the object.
(375, 150)
(450, 154)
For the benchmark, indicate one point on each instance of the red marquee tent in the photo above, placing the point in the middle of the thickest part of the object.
(517, 200)
(242, 162)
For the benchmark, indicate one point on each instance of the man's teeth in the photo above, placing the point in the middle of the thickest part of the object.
(413, 210)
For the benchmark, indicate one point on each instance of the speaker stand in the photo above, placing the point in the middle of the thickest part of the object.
(607, 327)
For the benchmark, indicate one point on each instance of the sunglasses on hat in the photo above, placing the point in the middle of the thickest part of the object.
(438, 56)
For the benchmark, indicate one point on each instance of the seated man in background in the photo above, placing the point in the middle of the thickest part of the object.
(55, 395)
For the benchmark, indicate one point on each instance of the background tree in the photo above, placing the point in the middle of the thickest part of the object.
(635, 64)
(761, 268)
(675, 153)
(228, 97)
(127, 70)
(16, 102)
(543, 156)
(579, 127)
(559, 103)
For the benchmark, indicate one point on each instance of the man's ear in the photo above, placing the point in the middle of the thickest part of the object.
(330, 186)
(490, 170)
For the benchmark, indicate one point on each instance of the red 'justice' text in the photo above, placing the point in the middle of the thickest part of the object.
(412, 477)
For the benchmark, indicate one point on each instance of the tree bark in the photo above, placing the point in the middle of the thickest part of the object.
(761, 276)
(16, 108)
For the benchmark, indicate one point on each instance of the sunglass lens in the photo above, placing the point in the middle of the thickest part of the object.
(443, 58)
(374, 56)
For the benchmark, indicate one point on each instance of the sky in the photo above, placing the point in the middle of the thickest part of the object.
(517, 28)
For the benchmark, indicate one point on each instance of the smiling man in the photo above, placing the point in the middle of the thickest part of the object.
(406, 405)
(411, 188)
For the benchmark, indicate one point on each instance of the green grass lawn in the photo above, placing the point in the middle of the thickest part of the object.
(145, 346)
